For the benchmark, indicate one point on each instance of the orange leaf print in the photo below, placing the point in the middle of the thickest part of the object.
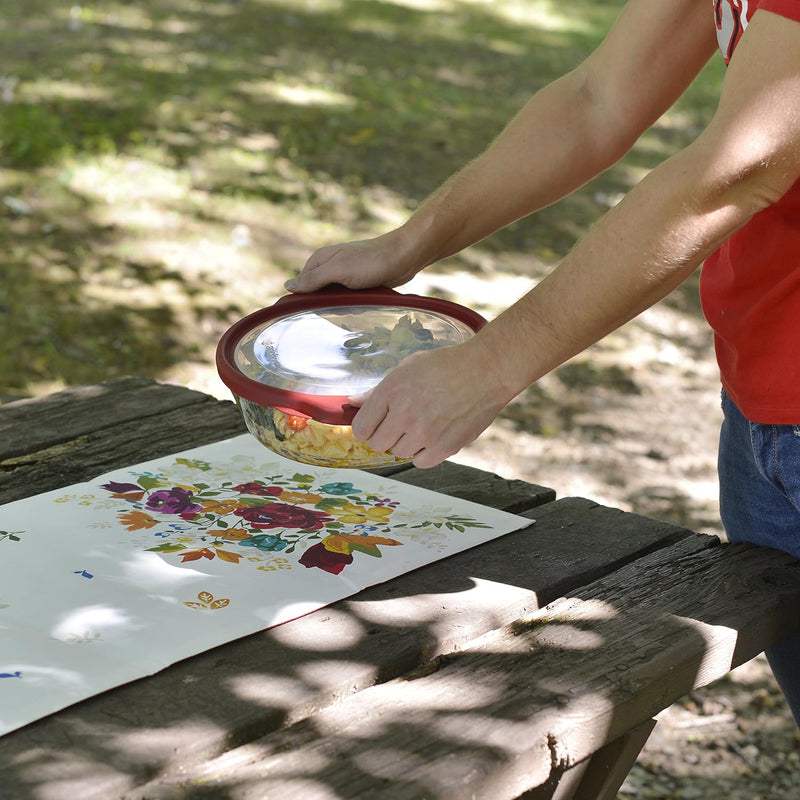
(308, 498)
(357, 515)
(219, 506)
(231, 535)
(226, 555)
(136, 520)
(194, 555)
(207, 602)
(347, 542)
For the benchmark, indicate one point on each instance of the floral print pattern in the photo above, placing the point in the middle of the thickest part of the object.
(328, 524)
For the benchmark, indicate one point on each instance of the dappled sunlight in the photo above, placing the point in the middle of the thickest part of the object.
(720, 644)
(328, 675)
(509, 736)
(114, 179)
(296, 94)
(487, 294)
(43, 677)
(308, 6)
(46, 89)
(440, 6)
(153, 574)
(271, 691)
(570, 637)
(543, 15)
(154, 744)
(333, 630)
(91, 618)
(62, 772)
(488, 596)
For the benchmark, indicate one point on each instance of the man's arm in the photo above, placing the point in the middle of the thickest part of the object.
(435, 403)
(565, 135)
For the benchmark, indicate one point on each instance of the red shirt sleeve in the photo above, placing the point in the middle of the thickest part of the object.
(786, 8)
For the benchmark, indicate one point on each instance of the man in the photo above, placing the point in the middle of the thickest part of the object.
(731, 199)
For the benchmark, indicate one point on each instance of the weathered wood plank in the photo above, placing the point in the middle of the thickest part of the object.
(40, 423)
(72, 436)
(231, 695)
(479, 486)
(124, 443)
(537, 696)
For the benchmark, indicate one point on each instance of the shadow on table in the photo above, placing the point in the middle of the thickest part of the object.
(514, 709)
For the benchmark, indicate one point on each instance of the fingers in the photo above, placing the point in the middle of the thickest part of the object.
(353, 264)
(361, 264)
(321, 269)
(395, 432)
(368, 426)
(426, 458)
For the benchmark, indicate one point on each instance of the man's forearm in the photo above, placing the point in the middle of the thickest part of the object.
(636, 255)
(554, 145)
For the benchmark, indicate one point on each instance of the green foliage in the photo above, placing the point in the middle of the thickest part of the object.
(31, 135)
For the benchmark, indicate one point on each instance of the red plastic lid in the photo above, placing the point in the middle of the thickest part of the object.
(308, 352)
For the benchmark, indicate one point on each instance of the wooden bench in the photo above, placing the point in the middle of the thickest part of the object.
(529, 667)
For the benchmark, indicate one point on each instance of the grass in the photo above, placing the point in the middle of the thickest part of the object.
(164, 166)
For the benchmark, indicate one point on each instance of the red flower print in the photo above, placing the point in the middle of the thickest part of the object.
(319, 556)
(281, 515)
(253, 487)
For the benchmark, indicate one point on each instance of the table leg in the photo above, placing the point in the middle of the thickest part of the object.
(600, 776)
(610, 765)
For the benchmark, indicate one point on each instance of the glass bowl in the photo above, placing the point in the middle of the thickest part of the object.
(292, 366)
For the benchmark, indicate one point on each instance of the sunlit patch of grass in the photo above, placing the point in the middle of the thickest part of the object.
(550, 16)
(113, 179)
(302, 95)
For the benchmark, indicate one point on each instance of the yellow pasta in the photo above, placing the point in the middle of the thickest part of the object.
(311, 442)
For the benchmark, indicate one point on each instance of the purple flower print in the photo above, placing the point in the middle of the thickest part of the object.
(122, 488)
(387, 501)
(173, 501)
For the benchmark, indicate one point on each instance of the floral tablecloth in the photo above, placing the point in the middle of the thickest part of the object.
(112, 580)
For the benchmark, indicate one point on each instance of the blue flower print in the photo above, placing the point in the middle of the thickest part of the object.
(363, 529)
(265, 541)
(339, 488)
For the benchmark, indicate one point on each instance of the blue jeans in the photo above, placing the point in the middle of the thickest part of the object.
(759, 473)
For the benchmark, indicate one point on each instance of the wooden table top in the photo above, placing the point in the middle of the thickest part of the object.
(479, 676)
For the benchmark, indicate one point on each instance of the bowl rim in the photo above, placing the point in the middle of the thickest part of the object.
(329, 409)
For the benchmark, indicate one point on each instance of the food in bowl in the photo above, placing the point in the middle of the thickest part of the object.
(292, 366)
(308, 441)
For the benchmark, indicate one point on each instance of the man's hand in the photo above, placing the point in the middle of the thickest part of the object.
(366, 264)
(430, 406)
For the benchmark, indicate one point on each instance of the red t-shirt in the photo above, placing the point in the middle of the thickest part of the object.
(750, 287)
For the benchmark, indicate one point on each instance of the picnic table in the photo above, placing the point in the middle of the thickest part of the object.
(529, 667)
